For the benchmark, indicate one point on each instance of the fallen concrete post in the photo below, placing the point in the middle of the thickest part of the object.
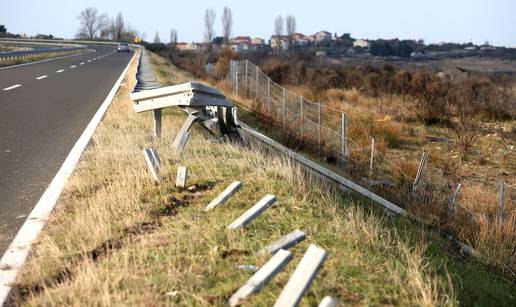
(262, 277)
(328, 301)
(254, 212)
(302, 277)
(223, 197)
(285, 242)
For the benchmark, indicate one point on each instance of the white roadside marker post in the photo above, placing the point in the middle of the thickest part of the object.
(153, 163)
(285, 242)
(328, 301)
(261, 278)
(223, 197)
(182, 176)
(253, 212)
(302, 277)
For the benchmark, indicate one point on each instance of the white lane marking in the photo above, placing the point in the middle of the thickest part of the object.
(17, 252)
(73, 66)
(82, 63)
(11, 87)
(60, 71)
(41, 77)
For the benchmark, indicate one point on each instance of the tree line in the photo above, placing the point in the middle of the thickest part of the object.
(94, 25)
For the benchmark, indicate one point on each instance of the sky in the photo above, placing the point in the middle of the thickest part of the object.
(433, 21)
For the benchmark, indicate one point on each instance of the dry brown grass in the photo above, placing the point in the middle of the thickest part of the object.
(116, 238)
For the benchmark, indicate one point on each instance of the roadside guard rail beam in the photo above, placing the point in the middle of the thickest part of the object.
(36, 52)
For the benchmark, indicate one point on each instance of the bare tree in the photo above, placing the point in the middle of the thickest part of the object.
(209, 31)
(278, 29)
(291, 27)
(157, 40)
(227, 24)
(173, 39)
(118, 27)
(91, 22)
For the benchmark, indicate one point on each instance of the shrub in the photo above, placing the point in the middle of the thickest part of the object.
(222, 66)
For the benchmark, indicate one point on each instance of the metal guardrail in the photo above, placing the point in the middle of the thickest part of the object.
(36, 52)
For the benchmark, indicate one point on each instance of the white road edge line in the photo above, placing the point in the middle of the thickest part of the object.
(41, 77)
(60, 71)
(11, 87)
(17, 252)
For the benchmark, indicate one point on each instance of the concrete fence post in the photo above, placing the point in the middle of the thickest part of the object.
(236, 76)
(301, 115)
(420, 171)
(455, 197)
(501, 204)
(371, 160)
(247, 77)
(319, 124)
(269, 92)
(257, 82)
(344, 137)
(284, 108)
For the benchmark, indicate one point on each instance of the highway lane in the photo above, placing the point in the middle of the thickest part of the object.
(44, 108)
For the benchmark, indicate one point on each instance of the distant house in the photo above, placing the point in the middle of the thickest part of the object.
(279, 42)
(361, 43)
(242, 39)
(322, 37)
(242, 47)
(189, 46)
(258, 41)
(299, 39)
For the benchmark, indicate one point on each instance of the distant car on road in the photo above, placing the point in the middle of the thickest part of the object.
(123, 47)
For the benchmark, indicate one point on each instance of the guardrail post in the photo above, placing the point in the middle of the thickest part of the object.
(157, 122)
(284, 108)
(344, 137)
(501, 204)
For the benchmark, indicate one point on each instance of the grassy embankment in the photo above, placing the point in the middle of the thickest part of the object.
(116, 237)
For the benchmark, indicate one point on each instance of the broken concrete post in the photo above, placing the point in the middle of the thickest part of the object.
(182, 176)
(223, 197)
(254, 212)
(262, 277)
(285, 242)
(302, 277)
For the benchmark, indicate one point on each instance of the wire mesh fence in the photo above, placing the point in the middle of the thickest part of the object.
(325, 129)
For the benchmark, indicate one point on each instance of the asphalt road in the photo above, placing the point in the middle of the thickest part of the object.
(44, 108)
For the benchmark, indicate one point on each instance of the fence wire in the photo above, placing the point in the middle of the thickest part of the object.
(325, 129)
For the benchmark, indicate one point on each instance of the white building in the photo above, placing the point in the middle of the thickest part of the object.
(361, 43)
